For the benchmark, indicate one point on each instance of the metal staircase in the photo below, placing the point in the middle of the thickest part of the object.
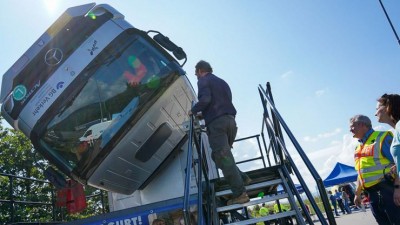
(280, 169)
(267, 186)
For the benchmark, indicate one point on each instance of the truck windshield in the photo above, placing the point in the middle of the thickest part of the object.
(108, 97)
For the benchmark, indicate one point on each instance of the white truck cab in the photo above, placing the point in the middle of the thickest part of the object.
(93, 77)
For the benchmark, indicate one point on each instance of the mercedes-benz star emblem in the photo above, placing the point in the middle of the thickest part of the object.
(53, 56)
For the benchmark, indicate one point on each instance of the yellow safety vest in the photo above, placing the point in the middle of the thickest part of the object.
(256, 214)
(370, 162)
(283, 208)
(263, 211)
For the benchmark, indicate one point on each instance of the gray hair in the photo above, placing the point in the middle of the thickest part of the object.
(361, 119)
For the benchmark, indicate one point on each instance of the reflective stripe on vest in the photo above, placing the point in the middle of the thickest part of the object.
(372, 165)
(372, 169)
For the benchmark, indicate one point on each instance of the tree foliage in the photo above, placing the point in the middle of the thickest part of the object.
(19, 158)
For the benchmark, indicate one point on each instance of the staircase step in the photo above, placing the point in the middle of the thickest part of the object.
(265, 218)
(252, 202)
(251, 187)
(258, 176)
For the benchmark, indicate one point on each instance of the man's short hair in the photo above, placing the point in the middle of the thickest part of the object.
(204, 66)
(361, 119)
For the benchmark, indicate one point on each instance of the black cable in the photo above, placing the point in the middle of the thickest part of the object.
(390, 22)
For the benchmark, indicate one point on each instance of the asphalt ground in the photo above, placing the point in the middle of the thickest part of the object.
(355, 218)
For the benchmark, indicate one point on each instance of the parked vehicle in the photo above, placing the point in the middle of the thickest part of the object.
(95, 131)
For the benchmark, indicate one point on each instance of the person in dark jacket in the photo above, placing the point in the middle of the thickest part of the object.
(216, 107)
(333, 201)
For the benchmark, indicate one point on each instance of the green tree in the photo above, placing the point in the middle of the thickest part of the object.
(18, 157)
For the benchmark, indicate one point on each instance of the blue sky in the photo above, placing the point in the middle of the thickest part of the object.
(326, 60)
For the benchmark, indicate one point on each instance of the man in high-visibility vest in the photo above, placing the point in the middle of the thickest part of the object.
(372, 161)
(284, 208)
(264, 212)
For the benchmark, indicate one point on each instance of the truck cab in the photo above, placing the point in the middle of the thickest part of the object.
(102, 100)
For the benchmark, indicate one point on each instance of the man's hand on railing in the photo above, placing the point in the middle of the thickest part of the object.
(197, 123)
(198, 115)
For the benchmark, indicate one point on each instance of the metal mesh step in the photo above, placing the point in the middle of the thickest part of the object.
(252, 187)
(265, 218)
(253, 202)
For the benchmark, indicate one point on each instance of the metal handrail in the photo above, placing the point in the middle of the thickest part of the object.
(261, 157)
(302, 183)
(279, 144)
(269, 130)
(186, 194)
(202, 173)
(12, 202)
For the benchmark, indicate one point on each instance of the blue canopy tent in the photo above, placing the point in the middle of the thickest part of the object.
(340, 174)
(298, 187)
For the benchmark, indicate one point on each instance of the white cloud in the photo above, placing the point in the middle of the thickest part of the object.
(335, 142)
(325, 159)
(322, 136)
(287, 74)
(310, 139)
(321, 92)
(245, 150)
(330, 134)
(383, 127)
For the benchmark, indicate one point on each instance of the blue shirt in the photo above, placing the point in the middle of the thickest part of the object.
(215, 98)
(385, 145)
(338, 195)
(395, 148)
(333, 199)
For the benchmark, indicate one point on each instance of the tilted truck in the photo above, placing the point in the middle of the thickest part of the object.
(107, 105)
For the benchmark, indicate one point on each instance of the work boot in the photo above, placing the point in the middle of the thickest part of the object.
(243, 198)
